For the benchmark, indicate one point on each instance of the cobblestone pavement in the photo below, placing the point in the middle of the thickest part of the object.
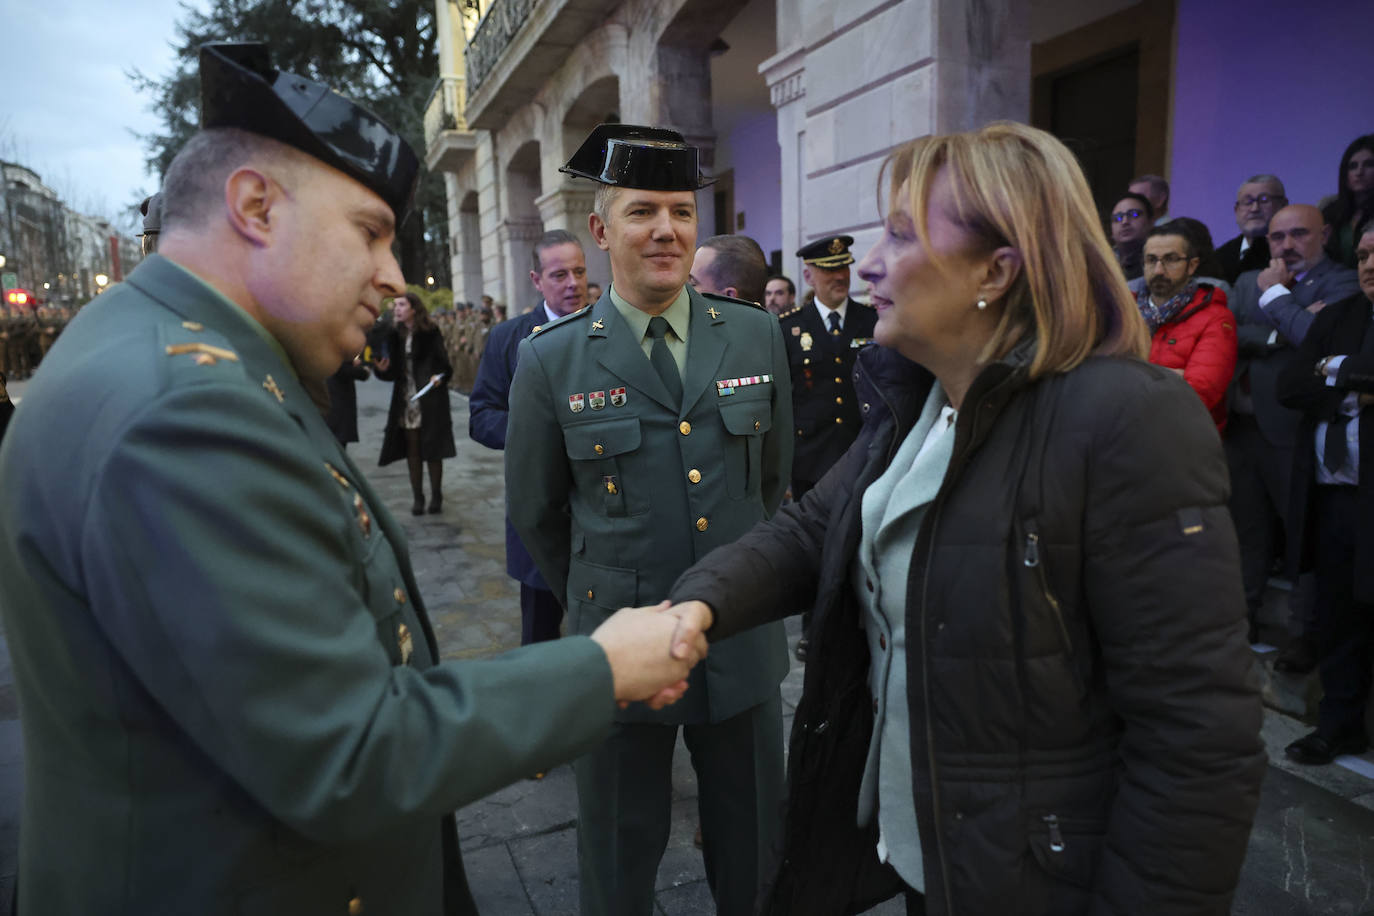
(1308, 851)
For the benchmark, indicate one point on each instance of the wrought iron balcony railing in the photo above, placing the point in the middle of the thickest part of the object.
(444, 110)
(494, 33)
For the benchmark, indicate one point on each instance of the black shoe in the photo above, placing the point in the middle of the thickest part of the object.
(418, 508)
(801, 649)
(1298, 657)
(436, 505)
(1316, 750)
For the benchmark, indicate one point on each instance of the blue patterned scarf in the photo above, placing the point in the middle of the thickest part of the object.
(1156, 316)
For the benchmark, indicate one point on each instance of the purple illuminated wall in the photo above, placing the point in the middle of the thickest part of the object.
(1265, 86)
(758, 178)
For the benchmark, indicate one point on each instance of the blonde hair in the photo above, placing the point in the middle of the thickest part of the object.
(1014, 185)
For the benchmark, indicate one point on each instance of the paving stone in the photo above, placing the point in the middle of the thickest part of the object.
(497, 888)
(687, 900)
(525, 808)
(547, 866)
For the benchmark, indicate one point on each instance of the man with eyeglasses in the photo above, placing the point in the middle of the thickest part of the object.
(1257, 199)
(1192, 331)
(1274, 308)
(1130, 221)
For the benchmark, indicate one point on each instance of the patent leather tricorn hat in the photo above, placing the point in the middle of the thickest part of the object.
(239, 88)
(630, 156)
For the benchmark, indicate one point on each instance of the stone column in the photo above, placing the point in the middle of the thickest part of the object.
(785, 73)
(517, 237)
(489, 220)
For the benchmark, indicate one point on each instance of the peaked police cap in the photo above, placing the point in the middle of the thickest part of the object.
(631, 156)
(239, 88)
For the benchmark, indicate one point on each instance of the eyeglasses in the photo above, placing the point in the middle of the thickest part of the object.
(1245, 203)
(1127, 214)
(1169, 261)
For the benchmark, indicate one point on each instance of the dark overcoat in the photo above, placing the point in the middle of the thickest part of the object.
(428, 358)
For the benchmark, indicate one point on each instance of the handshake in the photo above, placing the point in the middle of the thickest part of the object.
(652, 649)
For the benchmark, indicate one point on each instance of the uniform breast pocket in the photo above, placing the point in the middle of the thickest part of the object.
(602, 458)
(745, 421)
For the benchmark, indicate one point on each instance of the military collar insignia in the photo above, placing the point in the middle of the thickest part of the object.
(271, 385)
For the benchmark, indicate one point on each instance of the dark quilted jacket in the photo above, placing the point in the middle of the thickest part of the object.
(1085, 712)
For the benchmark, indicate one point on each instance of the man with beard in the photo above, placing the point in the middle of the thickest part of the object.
(1191, 330)
(559, 274)
(1274, 309)
(1331, 380)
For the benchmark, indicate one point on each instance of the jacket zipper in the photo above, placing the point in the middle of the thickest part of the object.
(1032, 561)
(930, 729)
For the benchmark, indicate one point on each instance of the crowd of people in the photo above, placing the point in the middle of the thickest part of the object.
(999, 486)
(1234, 321)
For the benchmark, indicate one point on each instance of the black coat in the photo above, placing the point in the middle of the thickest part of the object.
(1076, 648)
(1233, 264)
(342, 416)
(428, 358)
(1339, 329)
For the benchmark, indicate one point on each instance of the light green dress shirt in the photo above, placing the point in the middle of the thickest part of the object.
(678, 315)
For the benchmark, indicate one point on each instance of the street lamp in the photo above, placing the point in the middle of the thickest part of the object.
(101, 281)
(429, 281)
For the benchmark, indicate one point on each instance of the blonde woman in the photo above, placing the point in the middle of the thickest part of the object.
(1029, 689)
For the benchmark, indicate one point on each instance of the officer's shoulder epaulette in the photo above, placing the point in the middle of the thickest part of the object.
(192, 349)
(790, 312)
(569, 318)
(723, 298)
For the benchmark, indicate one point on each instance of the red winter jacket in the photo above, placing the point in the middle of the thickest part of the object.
(1202, 342)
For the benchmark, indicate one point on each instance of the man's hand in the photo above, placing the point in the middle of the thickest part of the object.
(383, 364)
(650, 654)
(1276, 272)
(694, 619)
(1317, 306)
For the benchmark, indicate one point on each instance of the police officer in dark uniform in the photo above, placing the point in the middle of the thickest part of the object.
(822, 339)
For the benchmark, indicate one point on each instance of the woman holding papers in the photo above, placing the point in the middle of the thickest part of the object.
(419, 427)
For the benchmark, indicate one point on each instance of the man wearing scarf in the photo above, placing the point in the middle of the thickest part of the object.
(1191, 329)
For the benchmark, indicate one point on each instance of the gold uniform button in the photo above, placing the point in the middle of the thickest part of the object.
(839, 400)
(702, 523)
(685, 428)
(590, 594)
(355, 907)
(839, 361)
(838, 380)
(694, 475)
(598, 449)
(839, 420)
(756, 425)
(400, 596)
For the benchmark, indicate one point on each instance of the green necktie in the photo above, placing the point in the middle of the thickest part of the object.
(662, 360)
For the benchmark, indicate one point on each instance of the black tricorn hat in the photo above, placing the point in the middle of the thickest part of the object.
(630, 156)
(828, 253)
(239, 88)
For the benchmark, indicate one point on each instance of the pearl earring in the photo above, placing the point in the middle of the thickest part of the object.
(982, 304)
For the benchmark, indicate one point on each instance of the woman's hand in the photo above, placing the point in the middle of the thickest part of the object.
(383, 364)
(436, 378)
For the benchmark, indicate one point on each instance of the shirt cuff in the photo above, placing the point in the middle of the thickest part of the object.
(1333, 363)
(1272, 293)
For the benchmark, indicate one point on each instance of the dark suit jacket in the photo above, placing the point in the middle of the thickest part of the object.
(488, 410)
(1233, 264)
(1339, 329)
(825, 410)
(616, 497)
(233, 701)
(1288, 316)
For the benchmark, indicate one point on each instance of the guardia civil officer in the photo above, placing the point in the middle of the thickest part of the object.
(232, 695)
(822, 338)
(646, 430)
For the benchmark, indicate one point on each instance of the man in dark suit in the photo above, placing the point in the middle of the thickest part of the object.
(1257, 200)
(730, 265)
(559, 274)
(1274, 309)
(646, 431)
(1331, 381)
(232, 696)
(823, 338)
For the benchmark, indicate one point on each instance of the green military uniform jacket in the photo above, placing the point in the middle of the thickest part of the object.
(615, 490)
(230, 694)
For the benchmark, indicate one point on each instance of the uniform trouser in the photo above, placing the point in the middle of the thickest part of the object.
(624, 801)
(540, 615)
(1345, 635)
